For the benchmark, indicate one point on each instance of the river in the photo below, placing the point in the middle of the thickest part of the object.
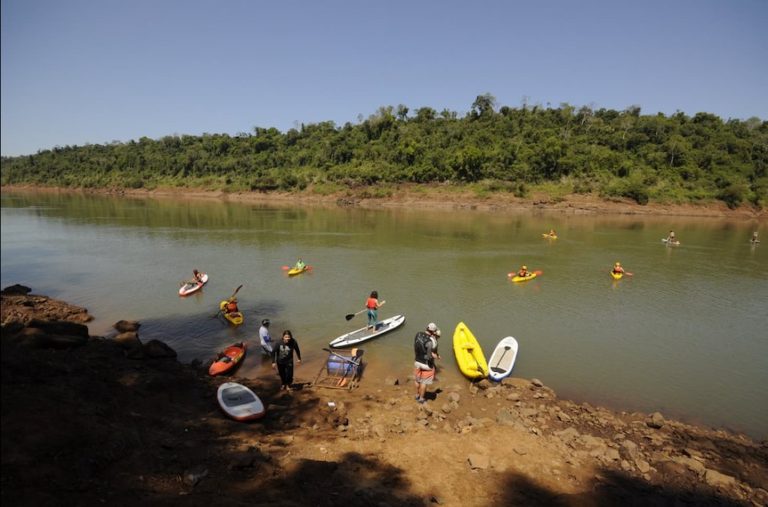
(686, 335)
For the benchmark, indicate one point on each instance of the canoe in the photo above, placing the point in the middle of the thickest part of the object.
(228, 359)
(191, 287)
(670, 243)
(616, 276)
(235, 318)
(503, 358)
(365, 334)
(296, 271)
(469, 355)
(549, 236)
(239, 402)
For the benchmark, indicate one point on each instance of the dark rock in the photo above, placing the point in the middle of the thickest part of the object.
(60, 327)
(16, 290)
(156, 348)
(125, 326)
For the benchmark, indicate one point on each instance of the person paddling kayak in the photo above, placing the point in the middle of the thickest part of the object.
(617, 269)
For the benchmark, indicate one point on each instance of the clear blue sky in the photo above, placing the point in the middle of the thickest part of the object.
(96, 71)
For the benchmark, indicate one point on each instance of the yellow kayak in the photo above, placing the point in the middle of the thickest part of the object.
(549, 236)
(531, 275)
(469, 355)
(616, 276)
(235, 318)
(298, 271)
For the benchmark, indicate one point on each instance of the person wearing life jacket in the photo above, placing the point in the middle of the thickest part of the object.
(299, 265)
(198, 277)
(232, 306)
(617, 269)
(523, 272)
(425, 351)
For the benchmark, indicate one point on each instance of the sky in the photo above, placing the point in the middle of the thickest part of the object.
(82, 72)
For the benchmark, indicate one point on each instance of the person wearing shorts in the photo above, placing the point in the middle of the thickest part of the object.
(425, 348)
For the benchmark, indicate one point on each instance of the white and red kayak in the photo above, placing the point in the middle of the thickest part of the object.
(192, 287)
(239, 402)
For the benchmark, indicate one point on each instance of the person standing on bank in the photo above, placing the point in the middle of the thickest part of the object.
(265, 338)
(425, 350)
(282, 359)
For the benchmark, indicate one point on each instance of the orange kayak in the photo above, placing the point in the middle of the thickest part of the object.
(228, 359)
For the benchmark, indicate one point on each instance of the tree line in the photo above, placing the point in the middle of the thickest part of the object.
(676, 158)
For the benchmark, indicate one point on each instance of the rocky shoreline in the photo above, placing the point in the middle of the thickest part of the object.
(92, 420)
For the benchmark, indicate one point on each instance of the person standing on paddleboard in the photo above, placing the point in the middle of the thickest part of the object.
(373, 309)
(266, 340)
(282, 359)
(425, 350)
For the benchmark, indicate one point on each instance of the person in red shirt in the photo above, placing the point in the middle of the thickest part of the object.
(373, 309)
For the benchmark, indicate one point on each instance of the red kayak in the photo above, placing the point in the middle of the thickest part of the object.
(228, 359)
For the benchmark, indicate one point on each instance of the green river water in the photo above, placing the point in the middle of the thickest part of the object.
(686, 335)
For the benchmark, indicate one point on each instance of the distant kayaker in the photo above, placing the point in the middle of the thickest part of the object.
(300, 265)
(425, 350)
(282, 359)
(671, 237)
(552, 233)
(754, 239)
(198, 276)
(617, 269)
(372, 304)
(266, 340)
(523, 272)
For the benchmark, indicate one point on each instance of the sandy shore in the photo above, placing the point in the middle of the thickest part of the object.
(436, 197)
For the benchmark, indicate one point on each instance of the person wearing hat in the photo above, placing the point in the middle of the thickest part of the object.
(266, 340)
(617, 269)
(523, 272)
(425, 349)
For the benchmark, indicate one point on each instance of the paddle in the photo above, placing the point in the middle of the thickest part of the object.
(506, 348)
(350, 316)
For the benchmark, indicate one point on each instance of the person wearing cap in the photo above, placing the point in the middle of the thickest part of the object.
(266, 340)
(523, 271)
(617, 269)
(425, 348)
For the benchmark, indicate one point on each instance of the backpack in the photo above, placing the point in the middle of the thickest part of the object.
(420, 348)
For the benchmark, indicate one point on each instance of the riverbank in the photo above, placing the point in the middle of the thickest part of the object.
(93, 420)
(434, 197)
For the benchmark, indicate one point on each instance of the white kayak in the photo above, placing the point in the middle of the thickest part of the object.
(239, 402)
(503, 359)
(365, 334)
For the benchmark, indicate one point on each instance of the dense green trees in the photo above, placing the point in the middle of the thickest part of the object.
(613, 153)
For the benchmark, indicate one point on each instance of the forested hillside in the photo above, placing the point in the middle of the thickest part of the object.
(560, 150)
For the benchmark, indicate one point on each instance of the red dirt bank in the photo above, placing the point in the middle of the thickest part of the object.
(83, 424)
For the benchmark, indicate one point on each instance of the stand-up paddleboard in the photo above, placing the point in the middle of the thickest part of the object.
(503, 358)
(191, 287)
(365, 334)
(239, 402)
